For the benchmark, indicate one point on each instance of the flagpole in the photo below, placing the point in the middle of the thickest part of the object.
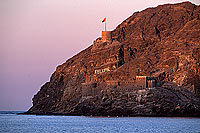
(105, 25)
(104, 21)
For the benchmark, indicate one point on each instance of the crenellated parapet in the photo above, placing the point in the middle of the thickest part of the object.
(146, 82)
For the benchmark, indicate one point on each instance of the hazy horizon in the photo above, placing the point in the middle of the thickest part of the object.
(38, 35)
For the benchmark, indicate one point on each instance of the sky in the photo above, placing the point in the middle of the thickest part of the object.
(38, 35)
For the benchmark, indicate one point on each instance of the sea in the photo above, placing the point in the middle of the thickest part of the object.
(10, 122)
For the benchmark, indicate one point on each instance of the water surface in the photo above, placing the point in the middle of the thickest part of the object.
(12, 123)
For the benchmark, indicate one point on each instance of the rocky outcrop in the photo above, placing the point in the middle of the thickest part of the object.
(168, 100)
(164, 42)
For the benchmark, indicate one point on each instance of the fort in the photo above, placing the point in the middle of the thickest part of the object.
(101, 66)
(106, 36)
(91, 89)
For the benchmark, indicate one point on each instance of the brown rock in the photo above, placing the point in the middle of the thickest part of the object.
(101, 80)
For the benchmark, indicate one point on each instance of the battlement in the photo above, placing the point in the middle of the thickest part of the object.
(91, 89)
(145, 82)
(106, 36)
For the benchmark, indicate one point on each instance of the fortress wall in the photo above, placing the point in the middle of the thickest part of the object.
(141, 81)
(151, 83)
(91, 89)
(106, 36)
(145, 82)
(112, 83)
(132, 83)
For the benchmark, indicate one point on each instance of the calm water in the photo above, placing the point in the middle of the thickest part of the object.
(12, 123)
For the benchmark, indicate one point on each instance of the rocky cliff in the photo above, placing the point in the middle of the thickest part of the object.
(163, 42)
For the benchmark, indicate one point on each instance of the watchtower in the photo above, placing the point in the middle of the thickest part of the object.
(106, 36)
(141, 81)
(145, 82)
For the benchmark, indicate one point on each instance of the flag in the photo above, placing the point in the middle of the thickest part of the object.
(104, 20)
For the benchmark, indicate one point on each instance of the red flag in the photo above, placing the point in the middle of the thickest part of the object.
(104, 20)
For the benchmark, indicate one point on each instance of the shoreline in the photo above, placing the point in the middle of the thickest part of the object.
(110, 116)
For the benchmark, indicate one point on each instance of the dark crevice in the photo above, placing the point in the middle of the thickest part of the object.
(157, 32)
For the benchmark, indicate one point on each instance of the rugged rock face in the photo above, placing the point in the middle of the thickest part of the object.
(164, 42)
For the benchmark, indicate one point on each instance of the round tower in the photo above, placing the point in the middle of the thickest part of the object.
(106, 36)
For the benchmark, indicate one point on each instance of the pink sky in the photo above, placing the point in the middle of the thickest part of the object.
(37, 35)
